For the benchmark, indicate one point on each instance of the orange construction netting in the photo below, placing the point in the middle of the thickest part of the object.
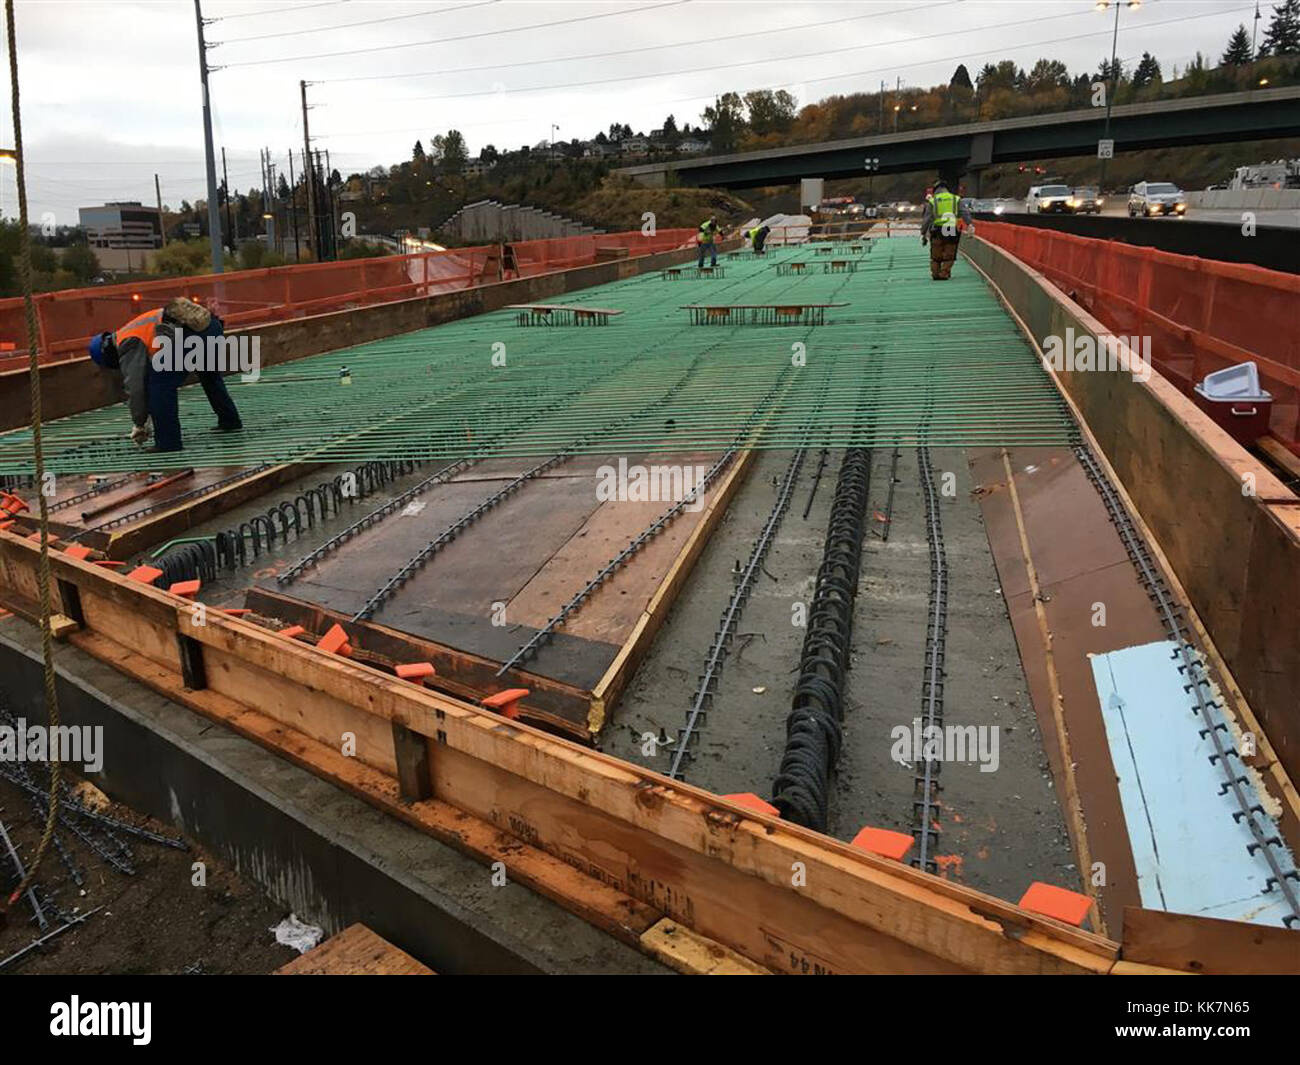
(244, 298)
(1202, 315)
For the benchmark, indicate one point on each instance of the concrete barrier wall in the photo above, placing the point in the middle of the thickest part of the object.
(1246, 199)
(1229, 528)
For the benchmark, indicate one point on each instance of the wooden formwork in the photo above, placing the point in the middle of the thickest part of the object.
(624, 847)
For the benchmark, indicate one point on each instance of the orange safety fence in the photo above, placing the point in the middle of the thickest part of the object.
(1202, 315)
(243, 298)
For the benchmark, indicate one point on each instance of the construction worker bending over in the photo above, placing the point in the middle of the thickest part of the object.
(150, 390)
(707, 238)
(946, 216)
(758, 237)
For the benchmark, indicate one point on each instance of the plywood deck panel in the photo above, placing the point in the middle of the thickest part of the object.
(356, 951)
(1080, 562)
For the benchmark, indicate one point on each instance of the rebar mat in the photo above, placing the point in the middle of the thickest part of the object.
(953, 369)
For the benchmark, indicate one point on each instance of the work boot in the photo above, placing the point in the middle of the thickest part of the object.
(227, 428)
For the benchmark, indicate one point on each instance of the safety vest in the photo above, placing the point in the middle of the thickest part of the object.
(142, 327)
(708, 234)
(945, 211)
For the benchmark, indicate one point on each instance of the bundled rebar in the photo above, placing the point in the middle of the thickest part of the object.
(288, 518)
(813, 732)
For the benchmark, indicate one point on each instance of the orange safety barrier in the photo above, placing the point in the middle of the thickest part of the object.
(1201, 315)
(243, 298)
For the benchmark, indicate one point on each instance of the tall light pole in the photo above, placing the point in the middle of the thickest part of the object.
(1103, 6)
(214, 210)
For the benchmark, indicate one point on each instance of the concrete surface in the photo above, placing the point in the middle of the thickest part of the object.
(998, 830)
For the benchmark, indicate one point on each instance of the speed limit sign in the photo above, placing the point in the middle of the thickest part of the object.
(1106, 149)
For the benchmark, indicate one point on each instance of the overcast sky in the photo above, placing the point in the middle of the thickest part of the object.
(110, 90)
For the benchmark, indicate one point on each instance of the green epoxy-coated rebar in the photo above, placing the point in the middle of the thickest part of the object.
(947, 368)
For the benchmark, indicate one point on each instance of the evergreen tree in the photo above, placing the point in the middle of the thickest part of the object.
(961, 78)
(1238, 51)
(1283, 34)
(1147, 72)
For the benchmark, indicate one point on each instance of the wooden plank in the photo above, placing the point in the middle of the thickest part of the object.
(562, 307)
(356, 951)
(1280, 453)
(637, 645)
(610, 910)
(690, 953)
(1208, 945)
(769, 889)
(763, 921)
(411, 753)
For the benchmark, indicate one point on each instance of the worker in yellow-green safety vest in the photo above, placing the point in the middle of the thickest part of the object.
(758, 237)
(707, 239)
(946, 216)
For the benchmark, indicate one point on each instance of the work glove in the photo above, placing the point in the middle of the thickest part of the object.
(139, 434)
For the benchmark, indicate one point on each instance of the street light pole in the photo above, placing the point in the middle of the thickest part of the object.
(214, 209)
(1102, 5)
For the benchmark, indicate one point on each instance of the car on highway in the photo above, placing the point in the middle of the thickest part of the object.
(1085, 200)
(1153, 199)
(1046, 199)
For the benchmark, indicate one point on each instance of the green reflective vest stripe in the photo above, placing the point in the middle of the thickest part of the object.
(945, 211)
(707, 234)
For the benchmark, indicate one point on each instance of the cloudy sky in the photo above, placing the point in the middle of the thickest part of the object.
(111, 95)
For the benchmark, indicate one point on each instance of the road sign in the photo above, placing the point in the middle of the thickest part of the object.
(1106, 149)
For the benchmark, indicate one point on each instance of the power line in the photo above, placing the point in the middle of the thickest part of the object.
(461, 37)
(351, 25)
(634, 51)
(830, 77)
(745, 63)
(274, 11)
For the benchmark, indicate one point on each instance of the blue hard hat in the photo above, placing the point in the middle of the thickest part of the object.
(102, 351)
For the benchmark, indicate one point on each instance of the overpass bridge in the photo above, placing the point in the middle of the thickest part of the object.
(970, 148)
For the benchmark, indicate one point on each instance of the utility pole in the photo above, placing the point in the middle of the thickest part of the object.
(225, 181)
(1254, 34)
(214, 211)
(309, 174)
(162, 223)
(293, 204)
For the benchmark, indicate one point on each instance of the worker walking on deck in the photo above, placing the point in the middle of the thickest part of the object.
(707, 239)
(946, 216)
(150, 389)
